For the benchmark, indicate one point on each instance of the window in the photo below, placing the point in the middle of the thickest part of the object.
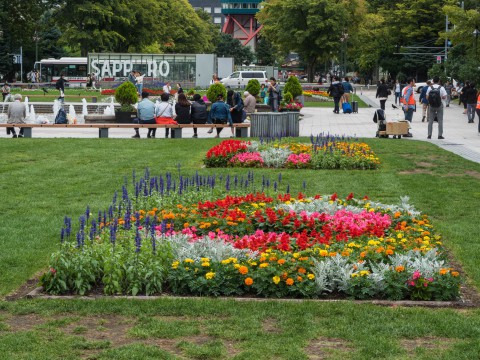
(235, 75)
(217, 20)
(207, 9)
(217, 10)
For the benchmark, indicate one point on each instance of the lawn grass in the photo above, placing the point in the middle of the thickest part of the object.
(41, 180)
(329, 104)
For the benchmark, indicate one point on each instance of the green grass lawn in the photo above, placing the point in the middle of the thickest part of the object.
(42, 180)
(329, 104)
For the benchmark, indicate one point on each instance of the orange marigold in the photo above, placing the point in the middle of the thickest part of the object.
(243, 270)
(443, 271)
(289, 282)
(248, 281)
(455, 273)
(399, 268)
(281, 261)
(302, 270)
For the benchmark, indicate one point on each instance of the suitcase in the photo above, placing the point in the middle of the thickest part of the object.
(355, 106)
(347, 109)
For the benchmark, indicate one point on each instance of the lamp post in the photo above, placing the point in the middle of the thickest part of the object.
(476, 32)
(36, 38)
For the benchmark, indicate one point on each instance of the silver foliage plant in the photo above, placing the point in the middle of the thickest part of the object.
(275, 157)
(217, 250)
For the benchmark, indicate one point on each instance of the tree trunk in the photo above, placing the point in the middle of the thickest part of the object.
(311, 69)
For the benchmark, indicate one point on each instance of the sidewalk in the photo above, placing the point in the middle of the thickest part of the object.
(460, 137)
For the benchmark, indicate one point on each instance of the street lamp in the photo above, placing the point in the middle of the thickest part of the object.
(36, 38)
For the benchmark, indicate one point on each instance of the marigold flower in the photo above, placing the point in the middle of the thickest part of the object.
(243, 270)
(455, 273)
(302, 270)
(206, 264)
(310, 276)
(399, 268)
(299, 279)
(443, 271)
(389, 252)
(263, 265)
(281, 261)
(189, 261)
(354, 275)
(236, 266)
(276, 279)
(364, 272)
(248, 281)
(209, 275)
(284, 275)
(289, 282)
(175, 264)
(204, 259)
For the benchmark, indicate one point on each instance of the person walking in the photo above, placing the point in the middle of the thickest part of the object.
(198, 112)
(273, 94)
(382, 93)
(471, 99)
(398, 92)
(234, 100)
(424, 101)
(336, 91)
(220, 114)
(146, 115)
(347, 89)
(408, 102)
(463, 96)
(435, 94)
(17, 112)
(478, 111)
(448, 88)
(60, 86)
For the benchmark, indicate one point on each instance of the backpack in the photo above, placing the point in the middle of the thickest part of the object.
(379, 116)
(61, 117)
(434, 98)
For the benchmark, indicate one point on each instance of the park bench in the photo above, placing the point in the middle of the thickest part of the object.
(241, 130)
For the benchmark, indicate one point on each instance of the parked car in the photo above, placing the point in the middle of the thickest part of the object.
(240, 79)
(420, 85)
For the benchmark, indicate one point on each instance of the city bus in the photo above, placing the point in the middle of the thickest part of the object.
(73, 68)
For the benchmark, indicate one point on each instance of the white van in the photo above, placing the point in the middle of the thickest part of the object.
(240, 79)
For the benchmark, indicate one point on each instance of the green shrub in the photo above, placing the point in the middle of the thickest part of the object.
(287, 97)
(293, 87)
(215, 90)
(126, 96)
(191, 92)
(253, 87)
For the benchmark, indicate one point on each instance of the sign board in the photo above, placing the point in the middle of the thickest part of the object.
(17, 58)
(439, 59)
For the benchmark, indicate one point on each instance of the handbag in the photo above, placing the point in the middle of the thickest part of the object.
(389, 92)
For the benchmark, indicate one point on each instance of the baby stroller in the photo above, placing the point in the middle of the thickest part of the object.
(380, 119)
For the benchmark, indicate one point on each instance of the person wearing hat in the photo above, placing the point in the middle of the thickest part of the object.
(16, 115)
(5, 91)
(249, 102)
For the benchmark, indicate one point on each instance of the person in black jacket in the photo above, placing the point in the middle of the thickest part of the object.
(471, 99)
(60, 85)
(198, 112)
(382, 93)
(336, 91)
(182, 109)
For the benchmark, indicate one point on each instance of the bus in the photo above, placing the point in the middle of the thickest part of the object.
(73, 68)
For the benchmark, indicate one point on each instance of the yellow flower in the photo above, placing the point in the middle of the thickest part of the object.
(354, 275)
(175, 264)
(364, 272)
(209, 275)
(189, 261)
(323, 253)
(311, 276)
(226, 262)
(296, 255)
(206, 264)
(263, 265)
(236, 266)
(276, 279)
(205, 259)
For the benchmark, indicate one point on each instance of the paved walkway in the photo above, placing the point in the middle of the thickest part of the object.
(460, 137)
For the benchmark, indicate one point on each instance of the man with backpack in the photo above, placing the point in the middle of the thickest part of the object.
(435, 94)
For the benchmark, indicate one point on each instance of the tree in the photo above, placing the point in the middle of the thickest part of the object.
(293, 87)
(311, 28)
(265, 52)
(230, 47)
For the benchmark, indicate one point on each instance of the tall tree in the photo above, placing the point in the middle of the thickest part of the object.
(230, 47)
(265, 52)
(311, 28)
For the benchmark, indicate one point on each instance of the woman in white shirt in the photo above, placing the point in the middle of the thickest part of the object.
(164, 113)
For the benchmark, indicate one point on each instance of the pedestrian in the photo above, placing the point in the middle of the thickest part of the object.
(478, 111)
(198, 113)
(60, 86)
(448, 88)
(220, 114)
(249, 103)
(471, 99)
(94, 81)
(336, 91)
(424, 101)
(145, 115)
(164, 113)
(234, 100)
(139, 79)
(167, 89)
(398, 92)
(263, 94)
(382, 93)
(5, 91)
(273, 94)
(17, 112)
(182, 109)
(435, 94)
(463, 96)
(131, 77)
(214, 80)
(408, 102)
(347, 89)
(89, 82)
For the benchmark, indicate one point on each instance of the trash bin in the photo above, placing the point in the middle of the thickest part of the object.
(274, 124)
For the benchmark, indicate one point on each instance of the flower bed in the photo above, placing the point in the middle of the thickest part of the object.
(186, 236)
(322, 153)
(152, 92)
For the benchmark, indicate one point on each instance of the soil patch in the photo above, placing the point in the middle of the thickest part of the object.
(416, 172)
(26, 288)
(322, 348)
(270, 325)
(428, 343)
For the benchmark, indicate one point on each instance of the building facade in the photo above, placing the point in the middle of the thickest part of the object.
(213, 7)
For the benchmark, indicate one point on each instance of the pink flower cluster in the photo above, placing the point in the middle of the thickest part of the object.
(417, 278)
(298, 160)
(247, 158)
